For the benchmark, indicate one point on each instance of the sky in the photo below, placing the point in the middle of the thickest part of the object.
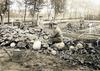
(16, 5)
(71, 5)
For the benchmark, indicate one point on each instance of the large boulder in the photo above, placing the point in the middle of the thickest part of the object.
(37, 45)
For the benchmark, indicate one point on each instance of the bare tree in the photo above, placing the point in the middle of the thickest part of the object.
(58, 6)
(3, 9)
(26, 5)
(8, 2)
(20, 4)
(34, 7)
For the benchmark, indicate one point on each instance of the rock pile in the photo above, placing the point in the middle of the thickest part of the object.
(85, 57)
(16, 37)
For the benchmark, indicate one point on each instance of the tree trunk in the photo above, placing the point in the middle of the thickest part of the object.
(38, 21)
(8, 6)
(25, 13)
(2, 22)
(8, 15)
(49, 13)
(55, 15)
(63, 16)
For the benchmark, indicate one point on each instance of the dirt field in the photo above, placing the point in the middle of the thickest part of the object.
(36, 62)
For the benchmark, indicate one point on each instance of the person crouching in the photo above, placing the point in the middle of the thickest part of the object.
(57, 38)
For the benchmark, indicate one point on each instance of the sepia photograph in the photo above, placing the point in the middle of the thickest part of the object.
(49, 35)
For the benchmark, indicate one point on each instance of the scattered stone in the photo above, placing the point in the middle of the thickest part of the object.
(45, 37)
(5, 43)
(12, 44)
(71, 47)
(82, 68)
(59, 45)
(79, 45)
(21, 45)
(1, 40)
(53, 52)
(45, 45)
(31, 31)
